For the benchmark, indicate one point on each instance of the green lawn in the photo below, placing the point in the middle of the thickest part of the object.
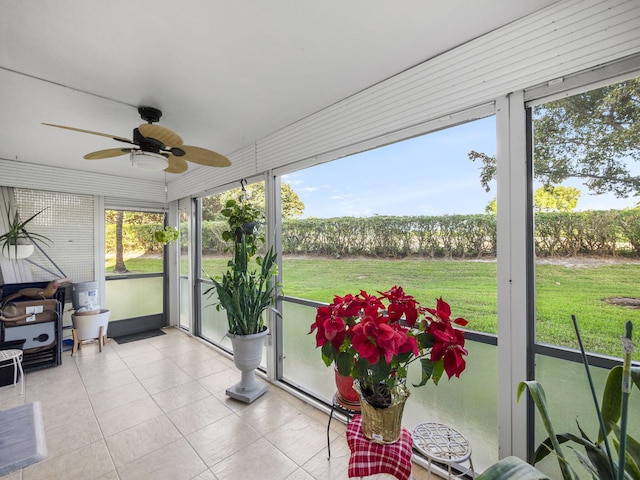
(470, 288)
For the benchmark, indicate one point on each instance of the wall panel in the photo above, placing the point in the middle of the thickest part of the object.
(564, 38)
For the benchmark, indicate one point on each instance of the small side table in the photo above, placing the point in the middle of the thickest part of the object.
(16, 357)
(344, 408)
(368, 458)
(444, 444)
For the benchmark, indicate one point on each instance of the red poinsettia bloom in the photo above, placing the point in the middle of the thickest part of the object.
(373, 337)
(448, 345)
(322, 314)
(388, 332)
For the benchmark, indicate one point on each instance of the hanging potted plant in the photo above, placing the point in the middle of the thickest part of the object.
(374, 339)
(166, 235)
(17, 241)
(245, 291)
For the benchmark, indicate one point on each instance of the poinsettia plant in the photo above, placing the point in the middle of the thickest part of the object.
(374, 339)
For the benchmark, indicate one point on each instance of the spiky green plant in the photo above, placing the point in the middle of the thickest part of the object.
(16, 231)
(245, 291)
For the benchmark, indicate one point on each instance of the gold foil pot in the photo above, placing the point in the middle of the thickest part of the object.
(383, 425)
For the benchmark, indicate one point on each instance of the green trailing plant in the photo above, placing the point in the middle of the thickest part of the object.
(248, 287)
(167, 235)
(17, 233)
(597, 457)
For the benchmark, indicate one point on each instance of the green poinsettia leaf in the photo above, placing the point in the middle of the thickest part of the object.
(427, 371)
(438, 371)
(425, 340)
(328, 354)
(344, 362)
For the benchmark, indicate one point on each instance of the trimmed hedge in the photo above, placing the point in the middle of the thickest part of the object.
(446, 236)
(590, 233)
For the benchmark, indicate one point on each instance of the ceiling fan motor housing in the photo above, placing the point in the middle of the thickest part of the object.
(150, 114)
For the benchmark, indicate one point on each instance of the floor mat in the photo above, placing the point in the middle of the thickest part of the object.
(138, 336)
(22, 434)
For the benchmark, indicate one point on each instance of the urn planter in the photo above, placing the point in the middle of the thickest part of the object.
(247, 354)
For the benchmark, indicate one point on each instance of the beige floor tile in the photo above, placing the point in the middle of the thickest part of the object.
(221, 439)
(82, 431)
(301, 438)
(320, 467)
(140, 440)
(180, 396)
(258, 460)
(161, 366)
(267, 413)
(171, 346)
(203, 368)
(10, 397)
(110, 476)
(143, 358)
(117, 396)
(128, 415)
(88, 367)
(206, 475)
(299, 474)
(176, 461)
(165, 381)
(220, 381)
(199, 414)
(133, 348)
(90, 462)
(61, 412)
(106, 380)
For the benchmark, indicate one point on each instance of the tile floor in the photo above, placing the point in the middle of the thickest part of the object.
(156, 409)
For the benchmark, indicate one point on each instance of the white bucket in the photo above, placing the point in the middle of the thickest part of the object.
(85, 294)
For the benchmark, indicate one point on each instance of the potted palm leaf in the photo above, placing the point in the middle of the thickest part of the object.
(599, 459)
(245, 291)
(17, 242)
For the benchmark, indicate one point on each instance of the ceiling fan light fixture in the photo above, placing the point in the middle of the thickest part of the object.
(149, 161)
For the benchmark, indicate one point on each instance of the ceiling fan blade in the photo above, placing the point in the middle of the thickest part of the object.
(111, 152)
(176, 165)
(115, 137)
(202, 156)
(164, 135)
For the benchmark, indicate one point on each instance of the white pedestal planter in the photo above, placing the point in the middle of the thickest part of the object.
(247, 355)
(90, 327)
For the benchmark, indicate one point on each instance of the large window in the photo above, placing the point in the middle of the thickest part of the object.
(587, 244)
(215, 256)
(413, 214)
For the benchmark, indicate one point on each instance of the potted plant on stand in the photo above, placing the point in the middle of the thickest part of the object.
(245, 291)
(374, 339)
(17, 241)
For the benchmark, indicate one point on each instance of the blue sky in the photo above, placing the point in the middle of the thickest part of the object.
(428, 175)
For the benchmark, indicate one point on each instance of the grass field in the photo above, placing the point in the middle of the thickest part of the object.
(470, 287)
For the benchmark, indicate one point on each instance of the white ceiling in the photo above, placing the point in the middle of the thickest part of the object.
(224, 73)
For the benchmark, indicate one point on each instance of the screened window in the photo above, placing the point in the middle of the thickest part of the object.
(414, 214)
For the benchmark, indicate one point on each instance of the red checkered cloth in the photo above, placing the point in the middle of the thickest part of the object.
(368, 458)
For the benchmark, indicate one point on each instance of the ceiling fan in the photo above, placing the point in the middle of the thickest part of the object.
(155, 148)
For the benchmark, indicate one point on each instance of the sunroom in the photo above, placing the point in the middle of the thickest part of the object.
(352, 125)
